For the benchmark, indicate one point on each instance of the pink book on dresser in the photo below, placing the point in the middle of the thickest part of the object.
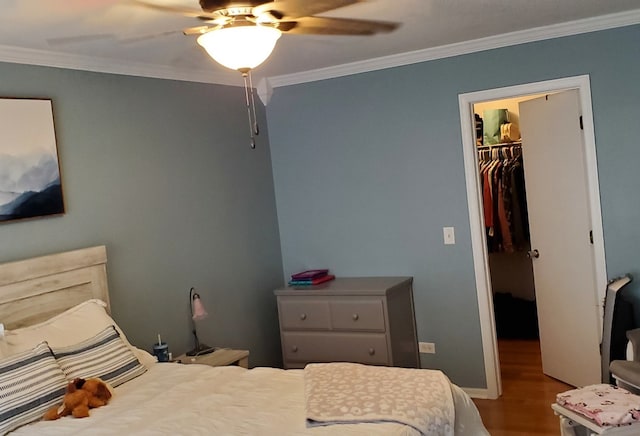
(309, 274)
(311, 282)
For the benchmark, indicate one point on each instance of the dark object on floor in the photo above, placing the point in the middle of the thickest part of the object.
(516, 318)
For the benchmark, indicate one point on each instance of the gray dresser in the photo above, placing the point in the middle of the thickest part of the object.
(360, 319)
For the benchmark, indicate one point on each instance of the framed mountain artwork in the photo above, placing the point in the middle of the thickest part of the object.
(29, 169)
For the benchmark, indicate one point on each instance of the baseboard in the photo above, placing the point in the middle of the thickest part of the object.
(481, 394)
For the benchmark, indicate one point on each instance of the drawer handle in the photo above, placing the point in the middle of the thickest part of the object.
(355, 316)
(294, 348)
(303, 316)
(372, 351)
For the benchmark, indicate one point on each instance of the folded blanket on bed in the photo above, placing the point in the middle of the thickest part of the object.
(338, 393)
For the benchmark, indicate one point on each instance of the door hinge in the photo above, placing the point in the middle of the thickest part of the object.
(591, 236)
(581, 125)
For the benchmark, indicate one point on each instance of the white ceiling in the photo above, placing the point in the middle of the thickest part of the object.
(116, 36)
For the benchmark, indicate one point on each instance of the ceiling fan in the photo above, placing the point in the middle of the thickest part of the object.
(241, 34)
(253, 26)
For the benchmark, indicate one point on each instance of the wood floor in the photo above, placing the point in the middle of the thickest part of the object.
(525, 405)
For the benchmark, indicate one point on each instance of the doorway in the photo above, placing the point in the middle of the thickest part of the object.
(478, 237)
(506, 220)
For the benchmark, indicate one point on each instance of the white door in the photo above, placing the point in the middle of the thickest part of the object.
(558, 203)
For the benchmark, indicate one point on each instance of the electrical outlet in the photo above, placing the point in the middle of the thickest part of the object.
(427, 347)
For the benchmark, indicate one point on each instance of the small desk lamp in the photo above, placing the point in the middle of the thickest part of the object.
(197, 313)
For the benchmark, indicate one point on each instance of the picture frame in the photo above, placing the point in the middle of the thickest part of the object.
(30, 180)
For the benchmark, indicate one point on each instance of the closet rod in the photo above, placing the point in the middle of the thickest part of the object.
(502, 144)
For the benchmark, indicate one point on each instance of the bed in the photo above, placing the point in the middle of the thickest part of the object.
(47, 298)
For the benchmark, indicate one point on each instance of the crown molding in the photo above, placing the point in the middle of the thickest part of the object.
(569, 28)
(88, 63)
(45, 58)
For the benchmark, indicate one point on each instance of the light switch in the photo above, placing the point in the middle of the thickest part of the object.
(449, 235)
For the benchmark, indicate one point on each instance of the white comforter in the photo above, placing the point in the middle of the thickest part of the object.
(200, 400)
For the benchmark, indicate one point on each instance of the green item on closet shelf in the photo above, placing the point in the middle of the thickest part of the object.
(492, 119)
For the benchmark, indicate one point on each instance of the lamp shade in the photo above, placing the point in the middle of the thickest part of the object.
(198, 308)
(240, 47)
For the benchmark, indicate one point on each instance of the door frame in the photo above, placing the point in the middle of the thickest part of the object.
(476, 219)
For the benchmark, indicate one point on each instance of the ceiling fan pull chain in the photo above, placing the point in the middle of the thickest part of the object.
(256, 129)
(246, 94)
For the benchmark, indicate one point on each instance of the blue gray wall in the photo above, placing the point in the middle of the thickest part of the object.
(368, 169)
(162, 174)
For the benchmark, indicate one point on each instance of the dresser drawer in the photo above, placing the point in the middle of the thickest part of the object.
(363, 314)
(369, 348)
(304, 314)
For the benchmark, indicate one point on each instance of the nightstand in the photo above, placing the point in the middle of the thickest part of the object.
(220, 357)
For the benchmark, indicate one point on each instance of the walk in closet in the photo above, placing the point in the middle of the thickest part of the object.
(501, 173)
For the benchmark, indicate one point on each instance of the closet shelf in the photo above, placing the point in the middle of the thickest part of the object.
(502, 144)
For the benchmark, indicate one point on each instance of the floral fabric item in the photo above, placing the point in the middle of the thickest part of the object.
(340, 393)
(605, 404)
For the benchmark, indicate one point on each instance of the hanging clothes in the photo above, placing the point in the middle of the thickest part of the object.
(504, 198)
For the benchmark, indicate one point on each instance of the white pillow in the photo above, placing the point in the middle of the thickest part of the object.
(70, 327)
(30, 383)
(104, 356)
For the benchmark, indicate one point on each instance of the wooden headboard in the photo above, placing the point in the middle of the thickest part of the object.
(33, 290)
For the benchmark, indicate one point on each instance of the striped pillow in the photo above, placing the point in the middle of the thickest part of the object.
(104, 356)
(31, 382)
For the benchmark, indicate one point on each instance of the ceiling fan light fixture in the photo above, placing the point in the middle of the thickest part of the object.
(240, 47)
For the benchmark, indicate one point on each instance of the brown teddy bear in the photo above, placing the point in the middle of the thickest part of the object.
(81, 396)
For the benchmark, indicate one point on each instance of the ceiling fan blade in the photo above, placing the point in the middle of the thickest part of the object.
(199, 30)
(66, 40)
(193, 13)
(286, 26)
(140, 38)
(289, 9)
(338, 26)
